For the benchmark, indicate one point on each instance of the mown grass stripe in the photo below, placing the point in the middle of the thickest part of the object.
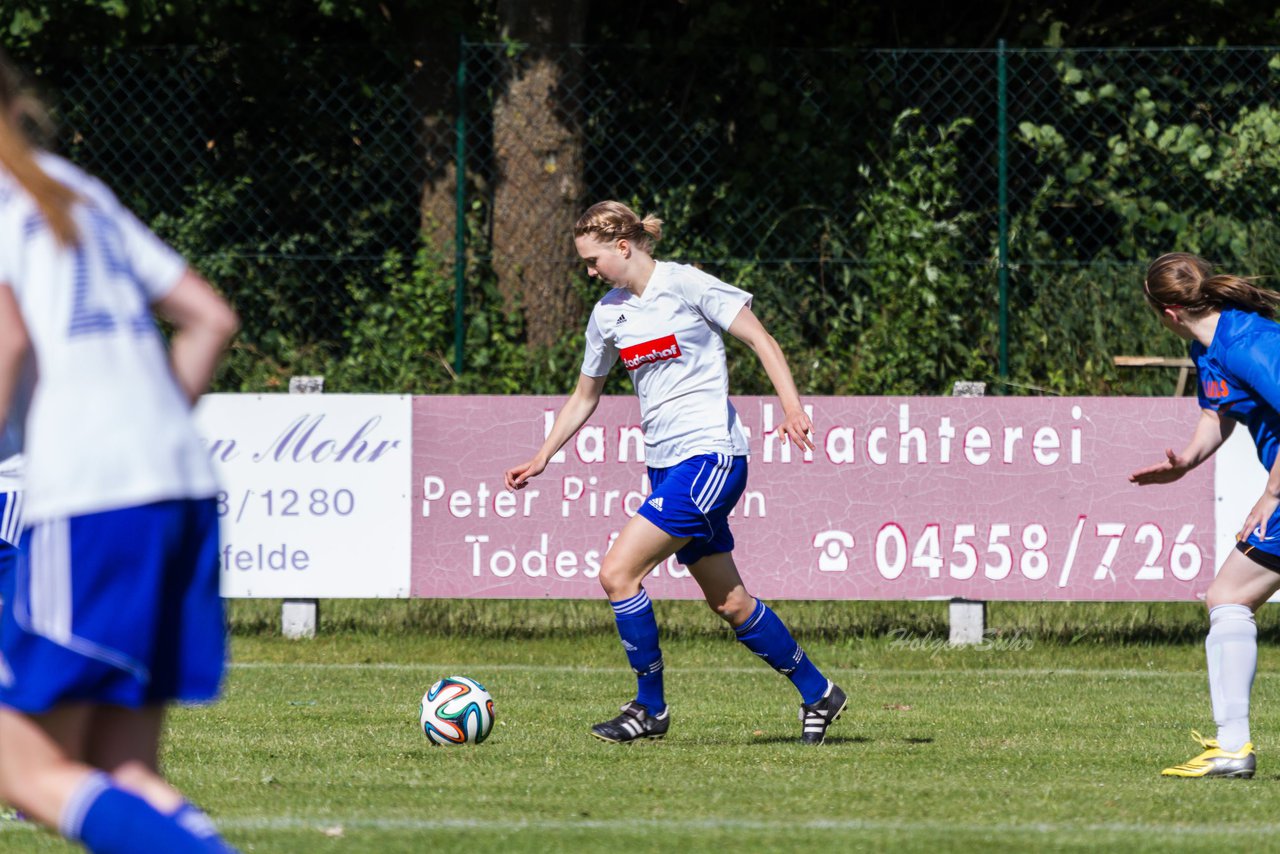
(580, 668)
(251, 823)
(336, 824)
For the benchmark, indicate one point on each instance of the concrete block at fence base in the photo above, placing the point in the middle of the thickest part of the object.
(969, 389)
(306, 385)
(968, 622)
(299, 618)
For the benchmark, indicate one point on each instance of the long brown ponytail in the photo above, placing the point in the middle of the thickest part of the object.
(1184, 280)
(17, 156)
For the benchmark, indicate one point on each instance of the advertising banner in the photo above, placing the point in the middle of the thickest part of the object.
(903, 498)
(315, 493)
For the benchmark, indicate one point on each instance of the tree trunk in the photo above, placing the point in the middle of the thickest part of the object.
(538, 183)
(437, 105)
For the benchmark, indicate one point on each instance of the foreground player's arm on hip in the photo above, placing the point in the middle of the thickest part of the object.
(14, 344)
(575, 412)
(1211, 431)
(748, 329)
(1265, 507)
(203, 323)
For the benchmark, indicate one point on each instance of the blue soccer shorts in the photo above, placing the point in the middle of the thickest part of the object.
(115, 608)
(693, 498)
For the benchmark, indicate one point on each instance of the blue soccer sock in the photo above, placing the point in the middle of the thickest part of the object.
(109, 820)
(192, 819)
(765, 634)
(638, 628)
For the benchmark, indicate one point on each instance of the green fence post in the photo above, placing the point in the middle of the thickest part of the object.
(460, 215)
(1002, 149)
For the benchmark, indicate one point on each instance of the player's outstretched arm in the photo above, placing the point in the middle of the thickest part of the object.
(575, 412)
(1211, 431)
(748, 329)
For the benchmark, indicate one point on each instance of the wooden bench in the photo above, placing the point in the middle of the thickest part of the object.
(1184, 365)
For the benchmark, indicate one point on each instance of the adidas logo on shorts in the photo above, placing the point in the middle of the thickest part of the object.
(656, 503)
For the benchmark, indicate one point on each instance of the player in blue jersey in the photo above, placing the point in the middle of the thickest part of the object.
(115, 609)
(1235, 345)
(664, 322)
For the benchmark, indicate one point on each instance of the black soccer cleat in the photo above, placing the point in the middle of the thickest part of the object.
(635, 722)
(816, 717)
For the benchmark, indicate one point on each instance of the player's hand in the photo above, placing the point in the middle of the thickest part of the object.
(797, 428)
(518, 477)
(1259, 516)
(1168, 471)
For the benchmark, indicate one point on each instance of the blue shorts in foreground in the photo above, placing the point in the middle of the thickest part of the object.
(8, 560)
(115, 608)
(693, 498)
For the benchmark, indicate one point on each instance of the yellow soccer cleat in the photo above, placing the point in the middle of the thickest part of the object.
(1216, 762)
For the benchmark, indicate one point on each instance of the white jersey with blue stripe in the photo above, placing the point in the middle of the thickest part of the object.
(10, 489)
(669, 340)
(107, 425)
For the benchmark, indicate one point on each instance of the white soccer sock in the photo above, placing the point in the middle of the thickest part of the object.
(1232, 651)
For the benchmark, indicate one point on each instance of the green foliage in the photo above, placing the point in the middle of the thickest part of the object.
(1168, 166)
(870, 244)
(895, 307)
(925, 325)
(398, 328)
(1129, 166)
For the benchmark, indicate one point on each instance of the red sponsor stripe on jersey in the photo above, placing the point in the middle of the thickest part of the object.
(657, 350)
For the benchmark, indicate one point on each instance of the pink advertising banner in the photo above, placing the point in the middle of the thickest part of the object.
(902, 498)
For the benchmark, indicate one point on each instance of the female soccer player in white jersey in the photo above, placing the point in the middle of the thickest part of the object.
(664, 321)
(115, 608)
(1235, 345)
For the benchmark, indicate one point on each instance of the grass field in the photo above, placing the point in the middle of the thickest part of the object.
(1049, 739)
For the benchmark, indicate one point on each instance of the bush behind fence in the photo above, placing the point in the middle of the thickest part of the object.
(856, 193)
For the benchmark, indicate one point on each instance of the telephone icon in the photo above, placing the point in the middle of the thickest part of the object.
(834, 544)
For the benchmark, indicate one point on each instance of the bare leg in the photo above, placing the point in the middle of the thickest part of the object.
(722, 586)
(640, 547)
(1242, 581)
(126, 743)
(40, 759)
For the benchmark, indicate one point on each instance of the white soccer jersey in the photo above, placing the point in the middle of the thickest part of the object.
(669, 341)
(107, 426)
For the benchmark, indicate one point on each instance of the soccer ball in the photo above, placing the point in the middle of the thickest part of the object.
(456, 710)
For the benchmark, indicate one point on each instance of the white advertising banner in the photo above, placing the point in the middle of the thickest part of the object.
(1238, 481)
(315, 493)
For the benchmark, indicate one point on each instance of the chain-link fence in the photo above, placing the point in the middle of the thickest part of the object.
(906, 218)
